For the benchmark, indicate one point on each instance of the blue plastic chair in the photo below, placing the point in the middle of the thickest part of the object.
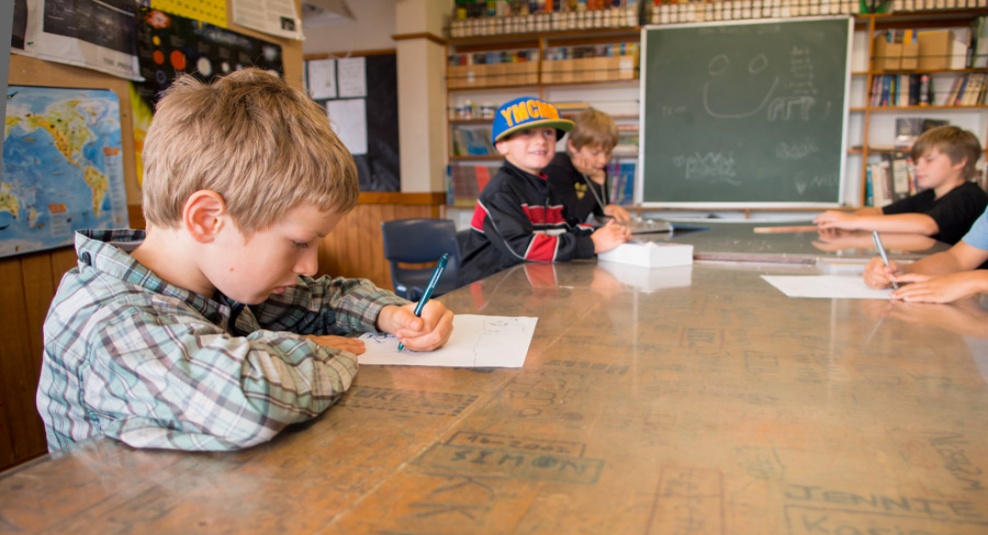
(420, 241)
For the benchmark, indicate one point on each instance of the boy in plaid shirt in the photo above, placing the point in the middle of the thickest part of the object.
(207, 331)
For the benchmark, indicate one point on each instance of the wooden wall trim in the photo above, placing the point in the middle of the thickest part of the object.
(350, 54)
(412, 36)
(402, 199)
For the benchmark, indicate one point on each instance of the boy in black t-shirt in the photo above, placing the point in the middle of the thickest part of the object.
(945, 158)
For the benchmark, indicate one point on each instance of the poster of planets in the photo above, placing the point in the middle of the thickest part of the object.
(169, 44)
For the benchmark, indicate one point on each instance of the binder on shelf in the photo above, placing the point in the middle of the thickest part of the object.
(978, 49)
(899, 175)
(881, 187)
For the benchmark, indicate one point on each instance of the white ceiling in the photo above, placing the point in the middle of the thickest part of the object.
(317, 13)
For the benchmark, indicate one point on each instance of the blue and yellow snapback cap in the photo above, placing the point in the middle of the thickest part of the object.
(527, 112)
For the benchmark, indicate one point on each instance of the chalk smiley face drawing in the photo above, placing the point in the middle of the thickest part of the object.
(723, 83)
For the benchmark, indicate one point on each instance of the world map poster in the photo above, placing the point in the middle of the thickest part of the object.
(62, 167)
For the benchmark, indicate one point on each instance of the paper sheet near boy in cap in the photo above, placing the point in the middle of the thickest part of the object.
(517, 218)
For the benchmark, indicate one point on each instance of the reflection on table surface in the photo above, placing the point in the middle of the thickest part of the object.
(696, 400)
(738, 241)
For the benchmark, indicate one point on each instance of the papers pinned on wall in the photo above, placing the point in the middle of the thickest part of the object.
(349, 120)
(273, 17)
(321, 78)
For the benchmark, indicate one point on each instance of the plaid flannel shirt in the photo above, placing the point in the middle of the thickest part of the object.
(129, 356)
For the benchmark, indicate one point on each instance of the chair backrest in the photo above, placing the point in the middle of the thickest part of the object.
(420, 241)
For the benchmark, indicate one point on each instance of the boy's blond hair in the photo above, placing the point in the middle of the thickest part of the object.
(594, 128)
(958, 144)
(263, 146)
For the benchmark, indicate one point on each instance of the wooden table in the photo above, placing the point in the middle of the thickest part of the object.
(705, 402)
(738, 241)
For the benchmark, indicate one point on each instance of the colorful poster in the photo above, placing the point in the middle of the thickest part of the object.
(62, 167)
(211, 11)
(169, 45)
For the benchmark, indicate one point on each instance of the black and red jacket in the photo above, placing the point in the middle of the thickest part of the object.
(519, 219)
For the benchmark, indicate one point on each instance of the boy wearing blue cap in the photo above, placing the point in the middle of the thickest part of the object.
(517, 217)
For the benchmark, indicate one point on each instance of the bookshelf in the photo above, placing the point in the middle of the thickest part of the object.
(596, 67)
(870, 129)
(935, 57)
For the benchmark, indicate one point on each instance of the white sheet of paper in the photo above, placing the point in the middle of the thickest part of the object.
(825, 287)
(275, 17)
(351, 77)
(477, 342)
(349, 120)
(322, 78)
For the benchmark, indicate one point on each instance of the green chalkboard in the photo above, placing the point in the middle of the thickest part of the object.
(748, 113)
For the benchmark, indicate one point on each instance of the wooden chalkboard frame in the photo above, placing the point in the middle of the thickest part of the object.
(648, 192)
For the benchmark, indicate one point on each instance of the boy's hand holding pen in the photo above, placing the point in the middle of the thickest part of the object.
(422, 326)
(881, 272)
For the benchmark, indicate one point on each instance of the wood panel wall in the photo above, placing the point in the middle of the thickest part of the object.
(28, 282)
(356, 248)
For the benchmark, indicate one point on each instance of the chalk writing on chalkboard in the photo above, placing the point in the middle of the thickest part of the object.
(750, 113)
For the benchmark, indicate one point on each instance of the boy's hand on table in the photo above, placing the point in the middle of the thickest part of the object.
(835, 219)
(353, 345)
(609, 236)
(619, 214)
(879, 276)
(935, 288)
(426, 333)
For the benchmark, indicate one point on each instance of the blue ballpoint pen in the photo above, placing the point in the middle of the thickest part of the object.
(882, 253)
(440, 267)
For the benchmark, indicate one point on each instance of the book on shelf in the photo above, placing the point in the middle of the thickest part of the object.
(881, 185)
(622, 182)
(907, 129)
(955, 91)
(978, 47)
(466, 181)
(975, 89)
(571, 108)
(899, 178)
(980, 176)
(926, 90)
(869, 188)
(627, 144)
(472, 140)
(905, 90)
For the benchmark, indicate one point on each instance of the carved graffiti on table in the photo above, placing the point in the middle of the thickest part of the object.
(411, 401)
(515, 457)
